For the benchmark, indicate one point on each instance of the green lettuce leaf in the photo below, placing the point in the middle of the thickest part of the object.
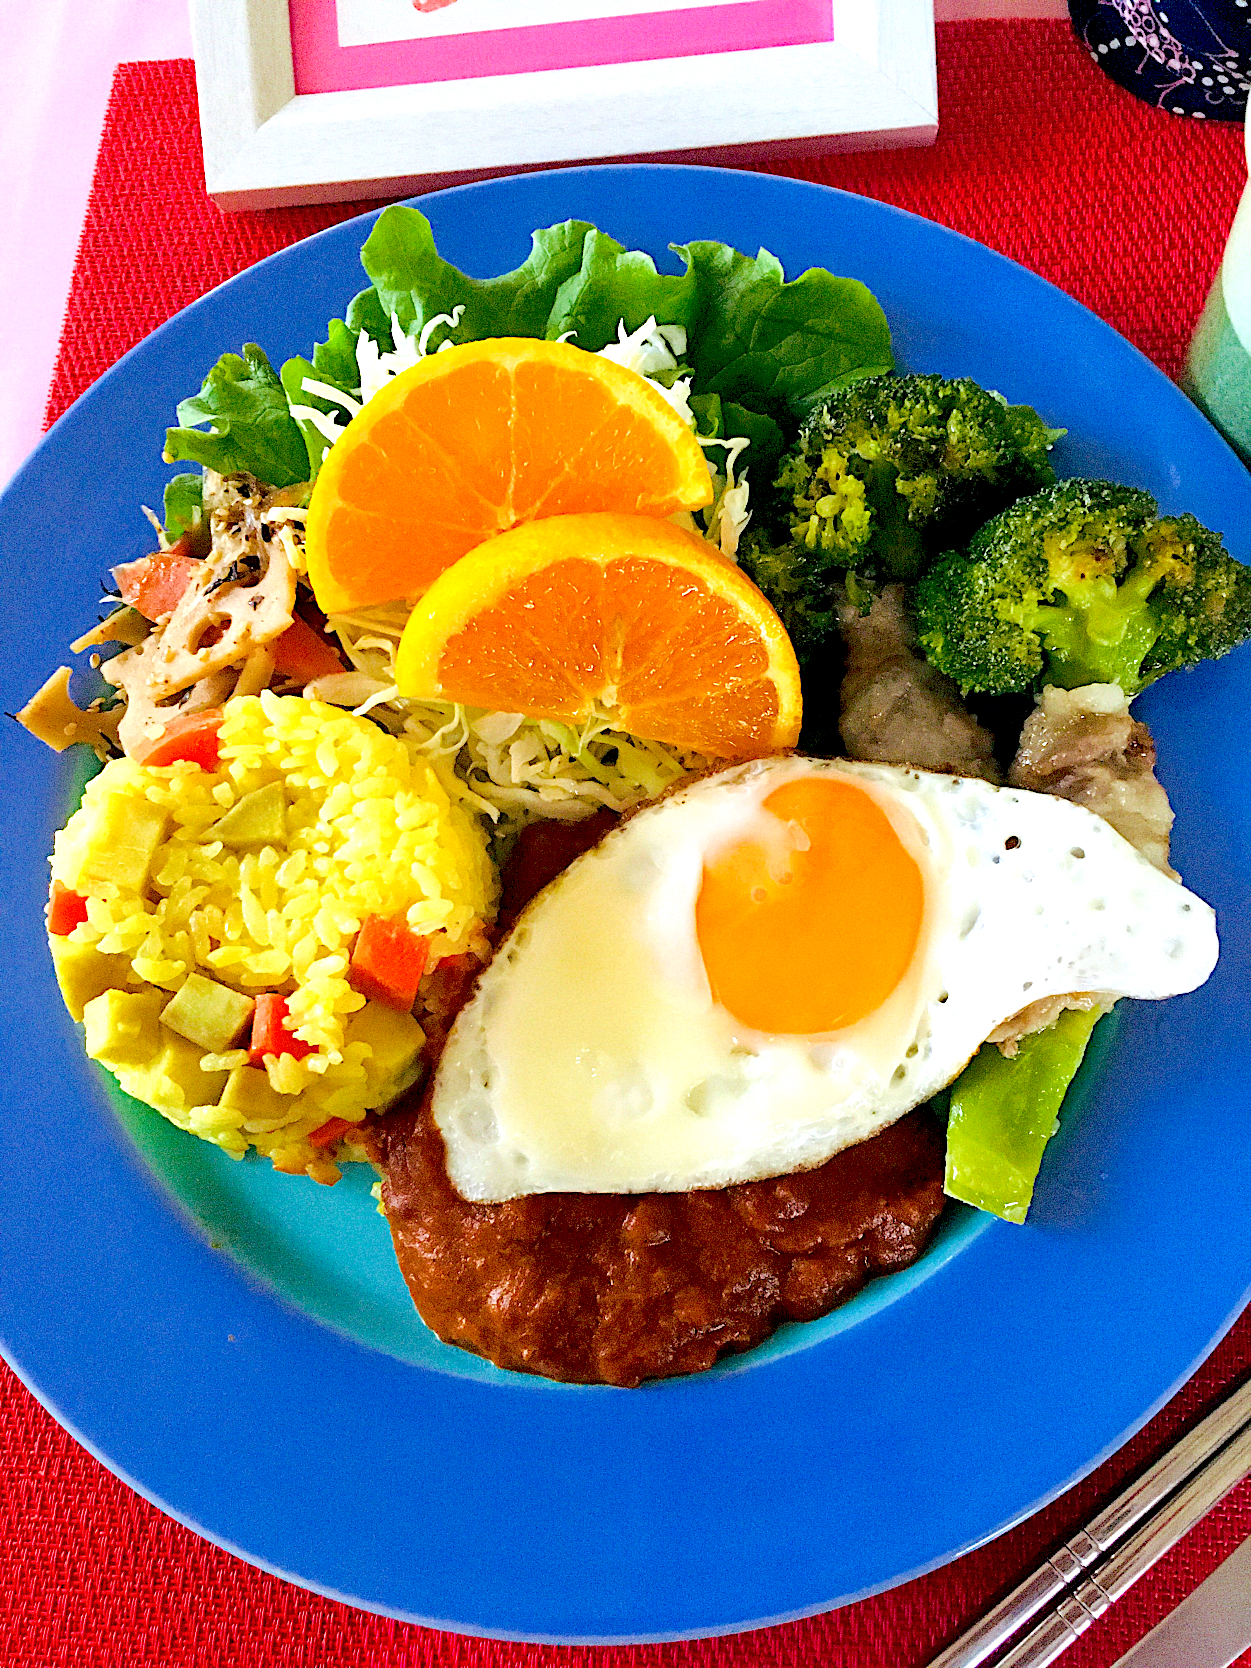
(768, 350)
(365, 313)
(250, 426)
(767, 438)
(334, 363)
(772, 346)
(614, 285)
(184, 505)
(414, 284)
(765, 344)
(726, 420)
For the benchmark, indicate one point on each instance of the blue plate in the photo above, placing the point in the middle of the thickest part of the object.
(238, 1346)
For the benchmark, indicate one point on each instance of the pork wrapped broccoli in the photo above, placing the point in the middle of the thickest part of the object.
(896, 468)
(886, 474)
(1082, 583)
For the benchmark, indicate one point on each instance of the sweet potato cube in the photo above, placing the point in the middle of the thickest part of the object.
(260, 818)
(207, 1014)
(126, 837)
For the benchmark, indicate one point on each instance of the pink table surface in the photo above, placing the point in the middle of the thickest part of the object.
(56, 67)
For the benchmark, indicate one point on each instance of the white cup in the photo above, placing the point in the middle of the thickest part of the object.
(1217, 374)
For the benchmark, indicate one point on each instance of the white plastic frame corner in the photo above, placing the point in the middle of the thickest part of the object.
(265, 144)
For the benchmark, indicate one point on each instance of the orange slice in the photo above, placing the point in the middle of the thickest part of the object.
(620, 618)
(473, 441)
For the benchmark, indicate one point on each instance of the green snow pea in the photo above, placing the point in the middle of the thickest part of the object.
(1004, 1111)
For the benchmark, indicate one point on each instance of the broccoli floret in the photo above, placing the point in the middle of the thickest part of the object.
(1082, 583)
(886, 474)
(801, 588)
(894, 469)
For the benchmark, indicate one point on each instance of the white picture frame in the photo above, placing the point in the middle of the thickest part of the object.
(873, 85)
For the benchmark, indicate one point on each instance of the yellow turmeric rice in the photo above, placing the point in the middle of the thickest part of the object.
(333, 821)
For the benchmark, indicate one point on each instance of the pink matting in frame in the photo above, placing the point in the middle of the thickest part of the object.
(323, 66)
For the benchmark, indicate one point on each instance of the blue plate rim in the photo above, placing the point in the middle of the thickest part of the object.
(726, 1630)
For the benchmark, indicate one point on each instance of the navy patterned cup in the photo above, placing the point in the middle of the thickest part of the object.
(1189, 57)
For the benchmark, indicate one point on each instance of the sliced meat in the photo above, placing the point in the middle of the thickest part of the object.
(895, 708)
(1082, 745)
(1039, 1016)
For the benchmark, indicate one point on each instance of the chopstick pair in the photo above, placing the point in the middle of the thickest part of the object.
(1101, 1562)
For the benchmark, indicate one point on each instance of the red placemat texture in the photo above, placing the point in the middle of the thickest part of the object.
(1040, 157)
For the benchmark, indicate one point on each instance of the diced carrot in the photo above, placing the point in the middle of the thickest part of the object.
(329, 1132)
(191, 738)
(153, 586)
(271, 1031)
(388, 960)
(65, 909)
(303, 653)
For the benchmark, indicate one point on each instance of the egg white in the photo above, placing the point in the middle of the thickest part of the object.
(593, 1057)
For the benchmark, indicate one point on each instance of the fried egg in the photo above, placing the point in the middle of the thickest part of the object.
(778, 961)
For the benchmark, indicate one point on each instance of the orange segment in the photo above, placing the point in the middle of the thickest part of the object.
(624, 618)
(476, 440)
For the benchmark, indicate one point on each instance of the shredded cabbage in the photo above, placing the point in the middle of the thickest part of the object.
(511, 770)
(376, 370)
(656, 352)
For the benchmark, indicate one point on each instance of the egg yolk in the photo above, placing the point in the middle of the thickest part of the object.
(812, 929)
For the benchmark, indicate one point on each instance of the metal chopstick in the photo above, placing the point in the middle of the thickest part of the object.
(1111, 1579)
(1066, 1566)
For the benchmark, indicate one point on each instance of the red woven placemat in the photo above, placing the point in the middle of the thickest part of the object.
(1040, 157)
